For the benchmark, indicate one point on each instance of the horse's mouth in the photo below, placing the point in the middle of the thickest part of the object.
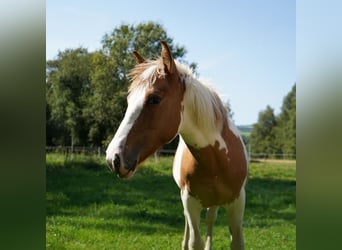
(128, 174)
(124, 169)
(127, 171)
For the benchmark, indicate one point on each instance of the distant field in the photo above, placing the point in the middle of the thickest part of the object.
(87, 207)
(245, 130)
(246, 134)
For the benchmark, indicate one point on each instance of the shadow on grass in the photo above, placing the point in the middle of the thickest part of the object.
(151, 198)
(84, 190)
(270, 201)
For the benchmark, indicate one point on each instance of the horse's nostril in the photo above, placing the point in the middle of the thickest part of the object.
(117, 162)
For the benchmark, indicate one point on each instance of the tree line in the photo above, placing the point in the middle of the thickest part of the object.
(86, 92)
(276, 135)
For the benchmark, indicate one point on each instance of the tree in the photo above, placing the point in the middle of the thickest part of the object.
(286, 132)
(276, 135)
(263, 137)
(86, 92)
(67, 89)
(144, 37)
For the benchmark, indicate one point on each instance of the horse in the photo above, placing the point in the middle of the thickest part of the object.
(210, 166)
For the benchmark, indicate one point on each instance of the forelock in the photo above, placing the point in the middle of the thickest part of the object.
(146, 74)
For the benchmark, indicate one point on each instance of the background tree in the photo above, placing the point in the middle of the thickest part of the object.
(68, 88)
(286, 132)
(263, 137)
(86, 92)
(276, 135)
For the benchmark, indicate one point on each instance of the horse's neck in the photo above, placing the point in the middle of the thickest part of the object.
(196, 136)
(202, 116)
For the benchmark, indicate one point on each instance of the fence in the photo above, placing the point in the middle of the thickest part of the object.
(266, 156)
(161, 152)
(75, 150)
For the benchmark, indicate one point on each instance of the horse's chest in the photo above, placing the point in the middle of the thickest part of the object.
(215, 178)
(210, 190)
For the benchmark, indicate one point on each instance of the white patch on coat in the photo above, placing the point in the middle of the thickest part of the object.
(177, 161)
(197, 136)
(203, 112)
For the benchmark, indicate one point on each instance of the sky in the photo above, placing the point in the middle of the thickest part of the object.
(246, 49)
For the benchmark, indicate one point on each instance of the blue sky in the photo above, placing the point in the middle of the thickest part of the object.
(247, 49)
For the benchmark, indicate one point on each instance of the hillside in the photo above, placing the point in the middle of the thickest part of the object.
(245, 129)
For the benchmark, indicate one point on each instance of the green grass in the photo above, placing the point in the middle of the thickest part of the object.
(87, 207)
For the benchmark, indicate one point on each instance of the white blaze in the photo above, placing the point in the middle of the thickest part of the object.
(135, 105)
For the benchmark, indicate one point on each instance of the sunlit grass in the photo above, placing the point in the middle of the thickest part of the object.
(87, 207)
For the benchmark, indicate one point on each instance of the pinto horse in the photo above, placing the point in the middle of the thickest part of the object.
(210, 165)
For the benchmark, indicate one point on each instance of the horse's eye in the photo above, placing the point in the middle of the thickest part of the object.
(153, 100)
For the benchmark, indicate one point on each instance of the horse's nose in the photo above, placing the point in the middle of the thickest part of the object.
(114, 164)
(117, 162)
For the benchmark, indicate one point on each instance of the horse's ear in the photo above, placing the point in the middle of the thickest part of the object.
(167, 58)
(138, 58)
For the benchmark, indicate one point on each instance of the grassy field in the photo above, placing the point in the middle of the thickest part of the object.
(87, 207)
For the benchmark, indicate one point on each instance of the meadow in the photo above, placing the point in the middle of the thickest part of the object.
(87, 207)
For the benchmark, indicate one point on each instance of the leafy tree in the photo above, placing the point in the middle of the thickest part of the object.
(86, 92)
(263, 137)
(68, 87)
(286, 132)
(276, 134)
(144, 37)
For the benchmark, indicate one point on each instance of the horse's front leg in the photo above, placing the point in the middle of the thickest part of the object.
(185, 241)
(210, 220)
(235, 211)
(192, 212)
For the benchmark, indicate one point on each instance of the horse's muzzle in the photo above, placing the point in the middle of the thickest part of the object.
(117, 163)
(123, 169)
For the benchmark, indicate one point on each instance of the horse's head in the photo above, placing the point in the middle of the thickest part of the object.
(153, 114)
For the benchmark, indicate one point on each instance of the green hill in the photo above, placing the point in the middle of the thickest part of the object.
(245, 129)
